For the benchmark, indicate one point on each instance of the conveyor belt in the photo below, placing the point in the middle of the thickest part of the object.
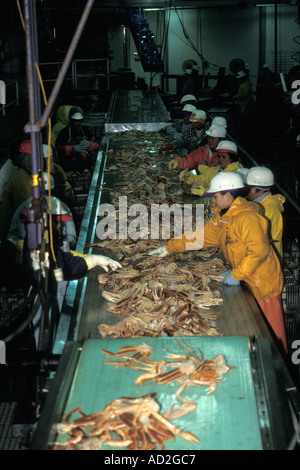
(136, 109)
(85, 309)
(237, 415)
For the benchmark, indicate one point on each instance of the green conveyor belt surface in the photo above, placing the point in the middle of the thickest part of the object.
(226, 419)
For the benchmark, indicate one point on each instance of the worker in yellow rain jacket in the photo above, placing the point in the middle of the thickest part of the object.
(227, 161)
(260, 180)
(241, 232)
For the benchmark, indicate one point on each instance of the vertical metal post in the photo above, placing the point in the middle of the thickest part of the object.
(17, 93)
(262, 37)
(33, 91)
(275, 36)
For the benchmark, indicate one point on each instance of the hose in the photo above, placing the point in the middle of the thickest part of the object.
(24, 325)
(10, 313)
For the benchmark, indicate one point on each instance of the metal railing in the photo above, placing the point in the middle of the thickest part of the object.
(76, 72)
(10, 101)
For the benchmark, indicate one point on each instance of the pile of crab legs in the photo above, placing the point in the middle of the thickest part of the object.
(130, 423)
(168, 298)
(137, 422)
(186, 369)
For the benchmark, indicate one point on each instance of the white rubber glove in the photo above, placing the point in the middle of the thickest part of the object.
(161, 252)
(103, 261)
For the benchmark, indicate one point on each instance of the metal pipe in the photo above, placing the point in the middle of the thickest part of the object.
(33, 90)
(66, 63)
(275, 36)
(262, 37)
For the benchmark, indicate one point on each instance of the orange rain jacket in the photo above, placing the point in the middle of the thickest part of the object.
(241, 233)
(201, 156)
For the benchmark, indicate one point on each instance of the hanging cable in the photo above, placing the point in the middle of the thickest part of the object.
(204, 61)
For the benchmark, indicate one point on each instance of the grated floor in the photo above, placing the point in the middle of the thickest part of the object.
(7, 441)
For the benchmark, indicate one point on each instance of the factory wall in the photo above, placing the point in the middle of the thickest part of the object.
(220, 35)
(288, 38)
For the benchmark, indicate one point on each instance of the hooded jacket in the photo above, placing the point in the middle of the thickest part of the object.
(16, 191)
(272, 209)
(70, 135)
(62, 121)
(241, 233)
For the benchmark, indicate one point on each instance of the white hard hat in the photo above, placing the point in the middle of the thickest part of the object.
(196, 67)
(188, 71)
(188, 98)
(189, 108)
(241, 74)
(57, 207)
(46, 149)
(219, 120)
(243, 172)
(216, 130)
(260, 177)
(77, 116)
(226, 146)
(46, 181)
(224, 181)
(198, 115)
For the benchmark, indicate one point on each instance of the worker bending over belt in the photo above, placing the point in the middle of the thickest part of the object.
(205, 154)
(228, 161)
(241, 232)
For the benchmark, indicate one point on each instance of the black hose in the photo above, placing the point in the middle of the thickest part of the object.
(24, 325)
(10, 313)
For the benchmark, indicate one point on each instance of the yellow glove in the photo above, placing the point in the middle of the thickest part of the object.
(173, 164)
(202, 168)
(19, 245)
(187, 177)
(198, 191)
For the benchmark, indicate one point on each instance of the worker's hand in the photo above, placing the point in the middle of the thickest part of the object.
(103, 261)
(198, 190)
(169, 148)
(19, 245)
(166, 149)
(82, 146)
(161, 252)
(229, 280)
(173, 164)
(84, 155)
(187, 177)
